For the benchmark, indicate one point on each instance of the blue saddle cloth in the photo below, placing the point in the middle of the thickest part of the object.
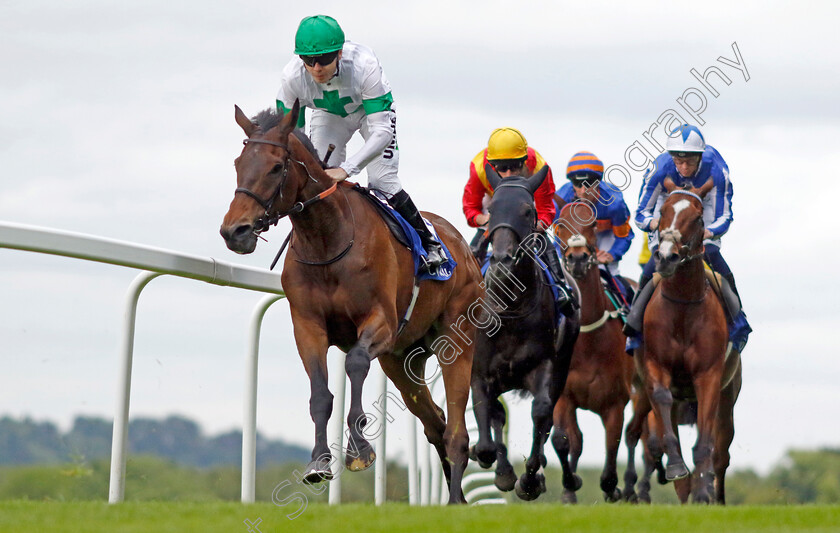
(412, 240)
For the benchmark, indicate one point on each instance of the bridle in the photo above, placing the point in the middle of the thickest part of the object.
(267, 219)
(684, 252)
(579, 240)
(674, 237)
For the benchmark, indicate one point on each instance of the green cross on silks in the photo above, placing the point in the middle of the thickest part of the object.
(332, 103)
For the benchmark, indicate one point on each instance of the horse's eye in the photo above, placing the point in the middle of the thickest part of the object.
(277, 168)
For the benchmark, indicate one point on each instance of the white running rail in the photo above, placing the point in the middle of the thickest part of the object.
(155, 262)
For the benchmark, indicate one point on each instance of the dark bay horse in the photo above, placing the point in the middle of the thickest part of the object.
(684, 356)
(529, 351)
(600, 373)
(349, 282)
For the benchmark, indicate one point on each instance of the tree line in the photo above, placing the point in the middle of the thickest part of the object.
(176, 438)
(170, 459)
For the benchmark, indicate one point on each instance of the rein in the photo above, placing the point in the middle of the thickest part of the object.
(346, 250)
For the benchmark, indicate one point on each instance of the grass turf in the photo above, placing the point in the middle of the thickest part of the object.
(182, 517)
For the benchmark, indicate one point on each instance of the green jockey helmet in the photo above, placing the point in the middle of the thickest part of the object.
(318, 35)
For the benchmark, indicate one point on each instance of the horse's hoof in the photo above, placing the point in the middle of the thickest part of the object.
(572, 483)
(485, 456)
(701, 496)
(529, 489)
(644, 497)
(630, 496)
(362, 461)
(471, 454)
(569, 497)
(505, 481)
(660, 475)
(676, 471)
(317, 471)
(612, 497)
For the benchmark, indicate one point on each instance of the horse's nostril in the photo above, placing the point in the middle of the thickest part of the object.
(242, 231)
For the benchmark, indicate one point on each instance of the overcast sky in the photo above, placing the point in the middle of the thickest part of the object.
(117, 121)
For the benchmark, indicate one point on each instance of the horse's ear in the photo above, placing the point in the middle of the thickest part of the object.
(492, 176)
(669, 184)
(705, 188)
(290, 119)
(244, 122)
(537, 179)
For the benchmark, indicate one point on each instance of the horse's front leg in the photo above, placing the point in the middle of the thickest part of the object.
(565, 429)
(505, 475)
(375, 338)
(532, 482)
(634, 431)
(311, 340)
(613, 421)
(484, 451)
(657, 386)
(707, 386)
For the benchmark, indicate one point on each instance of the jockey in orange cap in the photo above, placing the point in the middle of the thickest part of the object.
(508, 152)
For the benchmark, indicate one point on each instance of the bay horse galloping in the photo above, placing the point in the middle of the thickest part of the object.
(529, 351)
(600, 373)
(349, 282)
(684, 356)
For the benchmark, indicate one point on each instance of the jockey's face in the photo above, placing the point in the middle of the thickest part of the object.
(508, 168)
(586, 189)
(323, 73)
(687, 166)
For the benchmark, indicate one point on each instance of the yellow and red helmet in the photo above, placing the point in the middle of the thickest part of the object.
(506, 143)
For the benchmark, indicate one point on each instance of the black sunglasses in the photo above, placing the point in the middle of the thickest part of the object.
(585, 182)
(507, 165)
(323, 59)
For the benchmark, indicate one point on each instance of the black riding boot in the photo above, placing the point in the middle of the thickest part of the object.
(479, 245)
(633, 325)
(565, 297)
(402, 203)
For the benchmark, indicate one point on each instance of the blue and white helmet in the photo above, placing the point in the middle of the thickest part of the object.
(685, 140)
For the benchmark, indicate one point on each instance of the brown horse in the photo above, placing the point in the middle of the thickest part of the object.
(684, 357)
(600, 372)
(349, 282)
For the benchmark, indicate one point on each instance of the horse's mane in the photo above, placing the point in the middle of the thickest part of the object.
(270, 118)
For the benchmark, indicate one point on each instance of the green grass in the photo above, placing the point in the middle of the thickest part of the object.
(181, 517)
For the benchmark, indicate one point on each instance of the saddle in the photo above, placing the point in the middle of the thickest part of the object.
(385, 213)
(407, 236)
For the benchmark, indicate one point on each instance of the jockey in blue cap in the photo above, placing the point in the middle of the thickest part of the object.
(585, 173)
(689, 162)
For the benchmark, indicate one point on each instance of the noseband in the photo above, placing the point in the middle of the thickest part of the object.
(267, 220)
(580, 240)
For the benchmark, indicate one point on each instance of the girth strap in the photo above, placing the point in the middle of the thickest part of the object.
(408, 312)
(600, 322)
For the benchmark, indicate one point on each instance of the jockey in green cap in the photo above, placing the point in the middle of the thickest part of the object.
(344, 85)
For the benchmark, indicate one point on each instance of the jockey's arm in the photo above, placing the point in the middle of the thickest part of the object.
(473, 198)
(620, 221)
(544, 200)
(381, 134)
(722, 205)
(645, 219)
